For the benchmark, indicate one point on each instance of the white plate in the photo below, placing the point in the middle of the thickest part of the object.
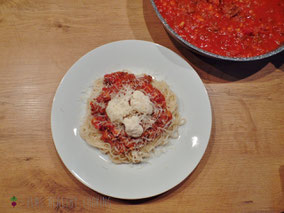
(162, 171)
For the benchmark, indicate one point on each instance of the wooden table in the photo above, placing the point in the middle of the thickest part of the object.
(242, 169)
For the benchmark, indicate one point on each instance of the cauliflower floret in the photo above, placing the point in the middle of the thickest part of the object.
(141, 103)
(132, 126)
(118, 108)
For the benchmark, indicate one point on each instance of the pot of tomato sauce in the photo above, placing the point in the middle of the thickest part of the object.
(236, 30)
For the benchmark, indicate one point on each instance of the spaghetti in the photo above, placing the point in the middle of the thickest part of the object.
(120, 98)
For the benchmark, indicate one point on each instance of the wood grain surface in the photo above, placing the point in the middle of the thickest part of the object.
(242, 169)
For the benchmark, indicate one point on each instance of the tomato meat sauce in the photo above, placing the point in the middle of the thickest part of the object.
(113, 83)
(233, 28)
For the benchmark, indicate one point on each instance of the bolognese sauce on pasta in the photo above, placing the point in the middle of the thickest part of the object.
(128, 116)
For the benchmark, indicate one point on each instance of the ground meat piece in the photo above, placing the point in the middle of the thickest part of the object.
(230, 10)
